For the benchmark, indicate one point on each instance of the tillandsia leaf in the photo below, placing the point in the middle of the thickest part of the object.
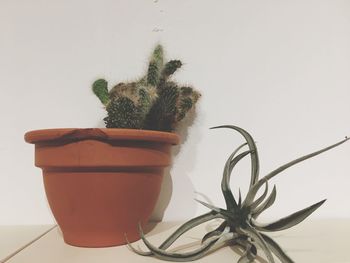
(236, 151)
(178, 257)
(255, 188)
(252, 192)
(249, 253)
(220, 211)
(252, 147)
(234, 162)
(180, 231)
(188, 226)
(244, 243)
(303, 158)
(215, 232)
(239, 197)
(277, 250)
(259, 240)
(268, 202)
(231, 203)
(224, 237)
(245, 259)
(288, 221)
(137, 251)
(261, 198)
(212, 207)
(225, 182)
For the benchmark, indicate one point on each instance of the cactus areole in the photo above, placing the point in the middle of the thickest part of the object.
(100, 183)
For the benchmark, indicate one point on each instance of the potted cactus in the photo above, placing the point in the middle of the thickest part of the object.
(102, 182)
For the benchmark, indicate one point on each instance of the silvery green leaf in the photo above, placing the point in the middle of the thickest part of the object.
(187, 226)
(177, 257)
(239, 197)
(250, 251)
(183, 229)
(179, 232)
(258, 239)
(261, 198)
(252, 192)
(231, 203)
(220, 211)
(277, 250)
(215, 232)
(212, 207)
(303, 158)
(290, 220)
(268, 202)
(247, 257)
(137, 251)
(252, 148)
(244, 259)
(224, 237)
(255, 188)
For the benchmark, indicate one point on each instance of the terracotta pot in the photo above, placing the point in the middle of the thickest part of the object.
(100, 183)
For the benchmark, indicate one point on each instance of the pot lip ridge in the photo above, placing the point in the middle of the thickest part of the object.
(105, 134)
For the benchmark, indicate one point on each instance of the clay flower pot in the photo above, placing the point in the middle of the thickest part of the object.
(100, 183)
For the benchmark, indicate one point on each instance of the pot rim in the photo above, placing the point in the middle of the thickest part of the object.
(105, 134)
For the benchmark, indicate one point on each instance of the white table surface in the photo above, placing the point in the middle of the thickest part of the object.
(319, 241)
(15, 238)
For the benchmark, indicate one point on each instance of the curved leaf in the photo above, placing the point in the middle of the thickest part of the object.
(254, 188)
(231, 203)
(178, 257)
(250, 251)
(239, 197)
(252, 148)
(259, 240)
(220, 211)
(245, 259)
(290, 220)
(187, 226)
(215, 232)
(303, 158)
(261, 198)
(277, 250)
(253, 191)
(268, 202)
(137, 251)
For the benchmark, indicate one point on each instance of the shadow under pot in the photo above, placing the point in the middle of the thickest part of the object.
(101, 183)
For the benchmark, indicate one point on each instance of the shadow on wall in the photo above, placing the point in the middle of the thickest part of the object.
(182, 175)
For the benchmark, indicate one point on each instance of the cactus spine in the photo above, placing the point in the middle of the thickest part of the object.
(153, 102)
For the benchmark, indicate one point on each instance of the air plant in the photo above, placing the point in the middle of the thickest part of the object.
(152, 102)
(239, 226)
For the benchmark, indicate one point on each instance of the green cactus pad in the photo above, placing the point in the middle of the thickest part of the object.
(122, 113)
(170, 68)
(100, 89)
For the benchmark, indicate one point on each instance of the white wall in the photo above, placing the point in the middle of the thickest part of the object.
(280, 69)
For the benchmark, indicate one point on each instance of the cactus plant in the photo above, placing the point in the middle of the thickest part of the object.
(153, 102)
(240, 225)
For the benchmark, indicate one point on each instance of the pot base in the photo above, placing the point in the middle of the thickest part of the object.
(96, 240)
(97, 209)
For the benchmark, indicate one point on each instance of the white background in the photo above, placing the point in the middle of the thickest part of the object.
(280, 69)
